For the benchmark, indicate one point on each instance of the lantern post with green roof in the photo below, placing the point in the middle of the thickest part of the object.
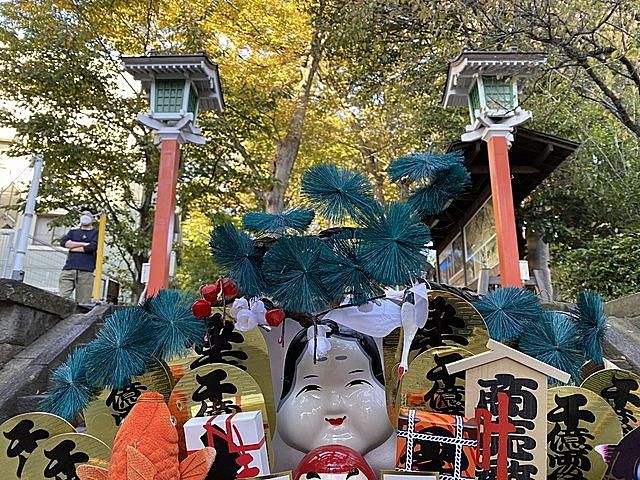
(487, 83)
(178, 88)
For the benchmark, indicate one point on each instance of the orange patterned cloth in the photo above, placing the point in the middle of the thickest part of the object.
(435, 442)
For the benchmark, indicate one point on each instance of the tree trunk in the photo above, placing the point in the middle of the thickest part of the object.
(404, 190)
(137, 286)
(146, 227)
(371, 166)
(287, 148)
(538, 257)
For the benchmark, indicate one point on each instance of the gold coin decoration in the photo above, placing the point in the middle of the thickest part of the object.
(58, 457)
(452, 322)
(390, 355)
(577, 421)
(214, 389)
(22, 436)
(104, 415)
(621, 390)
(428, 386)
(258, 367)
(245, 350)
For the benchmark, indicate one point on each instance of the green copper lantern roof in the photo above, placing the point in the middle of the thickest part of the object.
(469, 65)
(202, 72)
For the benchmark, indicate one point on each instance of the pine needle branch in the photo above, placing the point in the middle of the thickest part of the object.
(234, 251)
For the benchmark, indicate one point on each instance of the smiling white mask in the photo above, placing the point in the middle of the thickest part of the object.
(335, 401)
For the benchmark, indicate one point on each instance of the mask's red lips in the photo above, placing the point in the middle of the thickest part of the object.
(335, 421)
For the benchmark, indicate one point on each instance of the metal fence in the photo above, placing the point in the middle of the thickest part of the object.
(43, 263)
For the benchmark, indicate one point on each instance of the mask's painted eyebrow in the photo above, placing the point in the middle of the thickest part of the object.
(310, 376)
(356, 371)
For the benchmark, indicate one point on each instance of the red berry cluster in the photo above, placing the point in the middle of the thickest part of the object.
(201, 308)
(274, 317)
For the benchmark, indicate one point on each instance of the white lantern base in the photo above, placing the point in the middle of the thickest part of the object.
(486, 127)
(182, 129)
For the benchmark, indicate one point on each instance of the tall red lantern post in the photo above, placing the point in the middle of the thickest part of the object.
(178, 87)
(486, 82)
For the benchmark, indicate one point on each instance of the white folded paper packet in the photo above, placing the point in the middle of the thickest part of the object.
(381, 318)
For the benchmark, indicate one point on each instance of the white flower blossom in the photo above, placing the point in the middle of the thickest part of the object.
(238, 305)
(248, 314)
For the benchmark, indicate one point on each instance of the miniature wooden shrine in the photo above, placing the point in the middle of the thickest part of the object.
(506, 391)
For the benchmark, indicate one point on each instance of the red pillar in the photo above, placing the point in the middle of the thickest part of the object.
(163, 221)
(503, 210)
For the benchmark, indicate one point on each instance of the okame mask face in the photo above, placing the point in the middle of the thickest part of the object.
(338, 400)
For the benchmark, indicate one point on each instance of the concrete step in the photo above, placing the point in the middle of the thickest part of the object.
(97, 327)
(29, 403)
(26, 313)
(625, 307)
(622, 342)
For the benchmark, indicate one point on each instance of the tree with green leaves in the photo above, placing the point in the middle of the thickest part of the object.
(357, 83)
(588, 93)
(61, 66)
(69, 101)
(593, 46)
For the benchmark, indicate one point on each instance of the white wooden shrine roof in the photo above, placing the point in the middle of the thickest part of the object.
(498, 351)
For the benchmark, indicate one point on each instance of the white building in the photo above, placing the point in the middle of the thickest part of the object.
(45, 257)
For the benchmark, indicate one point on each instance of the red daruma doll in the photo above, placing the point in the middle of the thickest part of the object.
(333, 462)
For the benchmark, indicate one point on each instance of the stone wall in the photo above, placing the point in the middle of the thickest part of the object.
(26, 313)
(625, 307)
(622, 337)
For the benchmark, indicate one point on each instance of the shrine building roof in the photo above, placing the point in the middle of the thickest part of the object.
(533, 156)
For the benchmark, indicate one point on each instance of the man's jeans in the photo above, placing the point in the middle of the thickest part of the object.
(78, 280)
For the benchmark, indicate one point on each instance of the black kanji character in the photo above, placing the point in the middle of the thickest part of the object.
(219, 348)
(439, 329)
(619, 396)
(210, 391)
(521, 411)
(62, 463)
(122, 400)
(445, 396)
(22, 440)
(523, 405)
(568, 447)
(225, 466)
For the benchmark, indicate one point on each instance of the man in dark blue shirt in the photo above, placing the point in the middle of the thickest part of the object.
(77, 273)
